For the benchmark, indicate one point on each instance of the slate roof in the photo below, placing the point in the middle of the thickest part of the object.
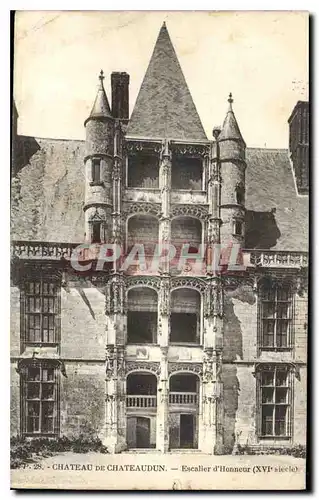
(230, 129)
(101, 107)
(48, 196)
(164, 106)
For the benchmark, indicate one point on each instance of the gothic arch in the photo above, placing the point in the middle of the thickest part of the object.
(187, 282)
(196, 211)
(143, 281)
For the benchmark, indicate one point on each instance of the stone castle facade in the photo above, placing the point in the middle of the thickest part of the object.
(177, 358)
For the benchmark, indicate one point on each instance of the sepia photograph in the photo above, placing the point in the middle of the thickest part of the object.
(159, 250)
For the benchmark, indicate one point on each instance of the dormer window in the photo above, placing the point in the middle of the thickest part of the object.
(96, 171)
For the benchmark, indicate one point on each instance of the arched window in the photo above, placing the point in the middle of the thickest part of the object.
(186, 230)
(143, 229)
(142, 316)
(185, 316)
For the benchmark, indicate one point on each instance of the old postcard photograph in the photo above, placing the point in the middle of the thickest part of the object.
(159, 250)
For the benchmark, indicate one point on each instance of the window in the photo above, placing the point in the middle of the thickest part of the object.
(240, 195)
(96, 171)
(40, 392)
(187, 173)
(274, 401)
(96, 232)
(143, 171)
(41, 308)
(276, 316)
(238, 228)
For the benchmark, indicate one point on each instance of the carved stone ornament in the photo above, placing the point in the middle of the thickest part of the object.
(185, 367)
(134, 147)
(188, 282)
(198, 211)
(142, 208)
(150, 281)
(211, 365)
(97, 216)
(110, 362)
(165, 296)
(115, 296)
(195, 150)
(137, 366)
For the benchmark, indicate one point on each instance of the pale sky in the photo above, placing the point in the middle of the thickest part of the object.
(261, 57)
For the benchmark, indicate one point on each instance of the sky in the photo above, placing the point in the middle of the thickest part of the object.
(261, 57)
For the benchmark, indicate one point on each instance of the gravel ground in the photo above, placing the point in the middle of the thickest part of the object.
(189, 471)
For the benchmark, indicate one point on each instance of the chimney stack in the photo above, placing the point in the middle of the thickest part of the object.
(299, 145)
(120, 95)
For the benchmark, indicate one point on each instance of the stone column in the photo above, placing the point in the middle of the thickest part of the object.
(165, 187)
(117, 230)
(162, 393)
(115, 372)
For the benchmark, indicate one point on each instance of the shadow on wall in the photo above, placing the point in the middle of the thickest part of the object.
(231, 395)
(261, 229)
(23, 150)
(233, 350)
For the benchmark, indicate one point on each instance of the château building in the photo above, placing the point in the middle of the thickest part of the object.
(186, 356)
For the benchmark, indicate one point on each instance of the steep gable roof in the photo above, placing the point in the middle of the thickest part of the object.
(164, 105)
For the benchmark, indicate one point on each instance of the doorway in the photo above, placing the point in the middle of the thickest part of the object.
(186, 435)
(143, 432)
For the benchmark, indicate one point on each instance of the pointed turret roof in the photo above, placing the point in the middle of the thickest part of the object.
(164, 105)
(101, 108)
(230, 130)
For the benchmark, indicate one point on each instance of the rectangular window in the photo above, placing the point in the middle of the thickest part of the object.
(96, 170)
(187, 173)
(274, 401)
(96, 232)
(276, 317)
(40, 396)
(238, 228)
(40, 312)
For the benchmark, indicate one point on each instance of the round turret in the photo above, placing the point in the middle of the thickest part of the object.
(98, 168)
(232, 149)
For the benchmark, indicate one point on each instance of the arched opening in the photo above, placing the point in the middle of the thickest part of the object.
(185, 316)
(144, 230)
(183, 407)
(141, 390)
(186, 230)
(142, 316)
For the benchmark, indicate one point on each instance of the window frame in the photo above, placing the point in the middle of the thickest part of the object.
(25, 314)
(275, 286)
(235, 233)
(261, 403)
(96, 180)
(176, 158)
(26, 400)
